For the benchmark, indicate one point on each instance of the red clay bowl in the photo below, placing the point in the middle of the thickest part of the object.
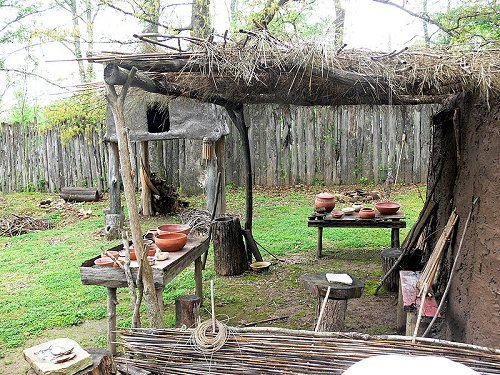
(113, 253)
(151, 252)
(171, 241)
(367, 213)
(174, 228)
(387, 208)
(337, 214)
(104, 262)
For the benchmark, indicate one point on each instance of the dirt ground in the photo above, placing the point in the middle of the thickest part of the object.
(276, 293)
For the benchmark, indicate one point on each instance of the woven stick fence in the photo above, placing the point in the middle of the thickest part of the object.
(275, 350)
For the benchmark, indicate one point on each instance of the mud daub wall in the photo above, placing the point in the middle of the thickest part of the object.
(472, 169)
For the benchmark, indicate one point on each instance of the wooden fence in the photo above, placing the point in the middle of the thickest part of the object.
(289, 144)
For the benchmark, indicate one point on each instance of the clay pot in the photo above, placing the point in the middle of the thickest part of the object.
(171, 241)
(174, 228)
(104, 261)
(324, 200)
(337, 214)
(367, 213)
(121, 261)
(387, 208)
(150, 235)
(151, 252)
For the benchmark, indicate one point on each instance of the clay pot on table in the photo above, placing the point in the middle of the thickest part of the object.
(324, 201)
(173, 228)
(104, 262)
(387, 208)
(171, 241)
(357, 206)
(367, 213)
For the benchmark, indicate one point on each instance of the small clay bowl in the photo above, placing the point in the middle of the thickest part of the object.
(387, 208)
(348, 210)
(104, 262)
(367, 213)
(357, 206)
(170, 241)
(337, 214)
(114, 254)
(121, 261)
(174, 228)
(260, 266)
(133, 256)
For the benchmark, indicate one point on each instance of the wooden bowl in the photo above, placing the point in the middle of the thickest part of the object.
(170, 241)
(260, 266)
(173, 228)
(387, 208)
(367, 213)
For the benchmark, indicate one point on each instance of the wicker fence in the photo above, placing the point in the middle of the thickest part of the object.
(290, 145)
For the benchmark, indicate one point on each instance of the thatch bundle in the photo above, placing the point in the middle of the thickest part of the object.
(262, 68)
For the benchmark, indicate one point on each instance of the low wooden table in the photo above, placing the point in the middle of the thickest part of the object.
(320, 221)
(334, 314)
(163, 272)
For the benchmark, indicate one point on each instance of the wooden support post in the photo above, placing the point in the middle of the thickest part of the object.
(333, 314)
(220, 155)
(187, 311)
(229, 251)
(145, 170)
(395, 237)
(112, 301)
(198, 278)
(319, 248)
(389, 257)
(159, 297)
(114, 215)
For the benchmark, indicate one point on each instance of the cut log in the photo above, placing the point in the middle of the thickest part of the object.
(187, 311)
(77, 194)
(102, 363)
(389, 257)
(229, 251)
(333, 315)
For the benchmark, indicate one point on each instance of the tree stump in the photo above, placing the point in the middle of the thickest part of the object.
(187, 311)
(113, 225)
(229, 251)
(389, 257)
(333, 316)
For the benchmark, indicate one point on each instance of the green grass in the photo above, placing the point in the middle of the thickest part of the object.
(40, 284)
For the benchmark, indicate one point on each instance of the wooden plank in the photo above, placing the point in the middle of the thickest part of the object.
(294, 146)
(272, 146)
(310, 145)
(411, 302)
(417, 162)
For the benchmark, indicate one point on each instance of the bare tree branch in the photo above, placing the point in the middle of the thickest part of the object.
(18, 71)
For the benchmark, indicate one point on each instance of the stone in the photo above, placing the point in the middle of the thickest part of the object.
(39, 357)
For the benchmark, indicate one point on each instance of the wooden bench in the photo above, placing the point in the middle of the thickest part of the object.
(409, 304)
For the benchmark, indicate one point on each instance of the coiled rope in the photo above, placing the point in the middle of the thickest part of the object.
(205, 340)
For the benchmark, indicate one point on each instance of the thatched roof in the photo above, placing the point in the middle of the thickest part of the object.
(263, 69)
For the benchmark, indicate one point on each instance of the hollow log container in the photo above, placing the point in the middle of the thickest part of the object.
(324, 201)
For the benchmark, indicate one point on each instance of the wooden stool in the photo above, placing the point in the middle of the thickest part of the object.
(336, 306)
(389, 257)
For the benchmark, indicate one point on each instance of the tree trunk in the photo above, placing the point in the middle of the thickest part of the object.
(333, 316)
(77, 194)
(229, 251)
(187, 311)
(389, 257)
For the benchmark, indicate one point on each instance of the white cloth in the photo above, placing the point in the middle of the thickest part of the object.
(343, 278)
(396, 364)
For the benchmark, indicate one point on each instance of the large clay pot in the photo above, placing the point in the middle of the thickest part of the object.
(171, 241)
(324, 200)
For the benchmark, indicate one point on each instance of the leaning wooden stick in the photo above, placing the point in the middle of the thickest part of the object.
(323, 306)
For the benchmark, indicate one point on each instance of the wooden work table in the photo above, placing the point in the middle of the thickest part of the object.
(163, 272)
(321, 220)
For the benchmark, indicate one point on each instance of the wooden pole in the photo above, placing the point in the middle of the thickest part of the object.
(114, 215)
(117, 107)
(112, 320)
(145, 170)
(220, 157)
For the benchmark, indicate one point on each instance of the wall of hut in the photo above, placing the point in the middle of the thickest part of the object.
(290, 145)
(465, 165)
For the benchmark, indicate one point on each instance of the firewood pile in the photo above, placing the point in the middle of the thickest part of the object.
(198, 220)
(16, 225)
(165, 199)
(357, 195)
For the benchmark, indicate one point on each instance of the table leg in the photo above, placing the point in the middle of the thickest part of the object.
(395, 237)
(112, 302)
(159, 298)
(198, 267)
(320, 242)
